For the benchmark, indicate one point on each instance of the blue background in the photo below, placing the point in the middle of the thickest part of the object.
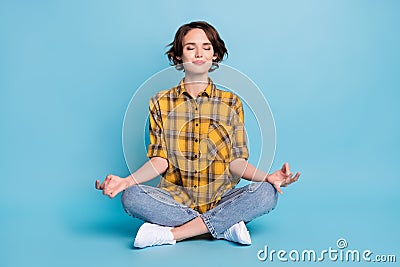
(68, 69)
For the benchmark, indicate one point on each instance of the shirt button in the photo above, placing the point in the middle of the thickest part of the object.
(195, 186)
(197, 124)
(195, 171)
(196, 140)
(195, 156)
(195, 108)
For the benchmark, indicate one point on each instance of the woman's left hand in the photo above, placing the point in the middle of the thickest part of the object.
(282, 177)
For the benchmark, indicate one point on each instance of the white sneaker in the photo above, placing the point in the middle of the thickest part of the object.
(238, 233)
(153, 235)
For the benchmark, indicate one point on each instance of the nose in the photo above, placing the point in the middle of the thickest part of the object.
(198, 53)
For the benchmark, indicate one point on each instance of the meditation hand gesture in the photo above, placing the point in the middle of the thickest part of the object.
(112, 185)
(282, 177)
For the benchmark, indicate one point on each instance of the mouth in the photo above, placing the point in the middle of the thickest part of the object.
(199, 62)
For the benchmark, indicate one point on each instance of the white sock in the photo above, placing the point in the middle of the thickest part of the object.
(238, 233)
(153, 235)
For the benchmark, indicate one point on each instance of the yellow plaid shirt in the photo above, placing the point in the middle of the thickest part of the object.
(199, 138)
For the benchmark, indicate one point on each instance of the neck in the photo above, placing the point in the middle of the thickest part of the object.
(194, 84)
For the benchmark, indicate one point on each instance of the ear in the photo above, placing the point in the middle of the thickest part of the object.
(178, 58)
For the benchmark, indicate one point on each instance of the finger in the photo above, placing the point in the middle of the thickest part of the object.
(287, 182)
(283, 169)
(291, 180)
(296, 177)
(278, 188)
(287, 168)
(108, 179)
(103, 184)
(98, 185)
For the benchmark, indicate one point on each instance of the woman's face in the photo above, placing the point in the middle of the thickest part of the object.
(198, 53)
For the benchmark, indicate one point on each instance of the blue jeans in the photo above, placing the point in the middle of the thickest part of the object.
(156, 205)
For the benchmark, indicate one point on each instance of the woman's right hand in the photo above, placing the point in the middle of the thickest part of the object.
(113, 185)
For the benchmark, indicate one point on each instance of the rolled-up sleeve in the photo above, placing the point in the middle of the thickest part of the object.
(157, 147)
(239, 139)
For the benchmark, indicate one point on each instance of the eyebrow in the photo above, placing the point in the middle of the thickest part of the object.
(195, 43)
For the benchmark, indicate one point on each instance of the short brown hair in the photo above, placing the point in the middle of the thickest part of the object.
(176, 49)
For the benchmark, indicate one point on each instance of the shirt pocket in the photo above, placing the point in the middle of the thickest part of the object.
(219, 142)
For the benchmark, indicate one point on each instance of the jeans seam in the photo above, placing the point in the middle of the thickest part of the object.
(217, 209)
(207, 219)
(210, 227)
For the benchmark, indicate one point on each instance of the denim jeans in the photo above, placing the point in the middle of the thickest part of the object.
(156, 205)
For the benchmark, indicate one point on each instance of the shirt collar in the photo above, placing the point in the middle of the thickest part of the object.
(180, 89)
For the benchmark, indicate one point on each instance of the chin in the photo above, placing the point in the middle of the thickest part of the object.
(197, 69)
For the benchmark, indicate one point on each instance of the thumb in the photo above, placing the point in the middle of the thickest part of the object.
(278, 188)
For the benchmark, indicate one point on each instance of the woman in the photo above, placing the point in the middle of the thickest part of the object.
(198, 144)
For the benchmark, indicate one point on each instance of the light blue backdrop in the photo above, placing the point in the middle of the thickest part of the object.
(68, 69)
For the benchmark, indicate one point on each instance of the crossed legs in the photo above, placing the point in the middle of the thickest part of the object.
(169, 219)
